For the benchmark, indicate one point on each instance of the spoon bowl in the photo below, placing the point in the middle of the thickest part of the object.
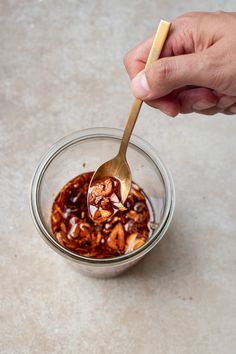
(118, 168)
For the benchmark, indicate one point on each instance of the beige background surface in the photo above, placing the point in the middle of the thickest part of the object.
(60, 70)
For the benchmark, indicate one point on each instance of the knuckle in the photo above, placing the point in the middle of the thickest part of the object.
(224, 82)
(187, 17)
(128, 58)
(163, 70)
(214, 77)
(220, 77)
(218, 81)
(219, 12)
(226, 16)
(181, 21)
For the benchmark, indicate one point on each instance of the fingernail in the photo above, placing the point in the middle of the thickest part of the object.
(233, 109)
(226, 101)
(168, 113)
(140, 86)
(201, 105)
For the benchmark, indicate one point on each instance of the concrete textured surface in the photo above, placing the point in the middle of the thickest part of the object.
(61, 69)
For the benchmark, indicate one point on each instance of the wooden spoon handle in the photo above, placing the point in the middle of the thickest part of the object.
(154, 54)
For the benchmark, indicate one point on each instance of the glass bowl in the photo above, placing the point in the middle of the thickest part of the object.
(84, 151)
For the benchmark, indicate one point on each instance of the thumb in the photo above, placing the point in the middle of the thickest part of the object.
(170, 73)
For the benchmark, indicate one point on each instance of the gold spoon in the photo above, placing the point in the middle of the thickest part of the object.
(118, 166)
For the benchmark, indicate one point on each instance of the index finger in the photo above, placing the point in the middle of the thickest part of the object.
(135, 59)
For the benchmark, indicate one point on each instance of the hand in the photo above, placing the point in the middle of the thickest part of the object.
(197, 68)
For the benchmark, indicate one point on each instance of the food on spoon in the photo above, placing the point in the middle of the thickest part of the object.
(104, 199)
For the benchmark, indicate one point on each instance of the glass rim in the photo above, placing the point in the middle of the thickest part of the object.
(87, 134)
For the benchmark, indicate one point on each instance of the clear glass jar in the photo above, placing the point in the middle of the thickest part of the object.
(84, 151)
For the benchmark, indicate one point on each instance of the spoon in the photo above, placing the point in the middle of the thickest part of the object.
(118, 167)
